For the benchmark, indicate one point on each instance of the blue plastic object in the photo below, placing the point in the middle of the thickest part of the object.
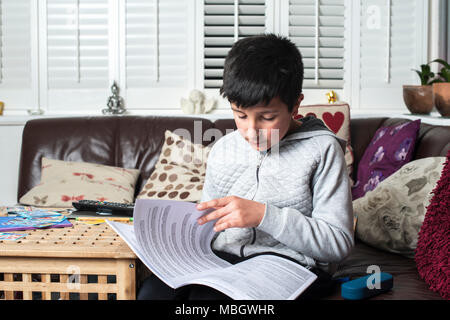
(343, 279)
(363, 288)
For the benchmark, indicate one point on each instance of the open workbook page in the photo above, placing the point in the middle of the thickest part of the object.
(170, 242)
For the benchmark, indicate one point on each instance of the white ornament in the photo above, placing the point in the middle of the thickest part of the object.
(197, 103)
(187, 106)
(196, 96)
(210, 104)
(199, 109)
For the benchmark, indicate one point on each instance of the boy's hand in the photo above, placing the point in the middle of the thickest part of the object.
(232, 212)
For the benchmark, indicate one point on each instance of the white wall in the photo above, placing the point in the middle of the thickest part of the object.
(10, 144)
(433, 33)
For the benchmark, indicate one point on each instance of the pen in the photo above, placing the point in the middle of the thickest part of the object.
(111, 219)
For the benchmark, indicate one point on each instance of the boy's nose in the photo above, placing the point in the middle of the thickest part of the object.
(252, 134)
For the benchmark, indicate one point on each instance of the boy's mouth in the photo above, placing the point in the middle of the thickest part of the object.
(257, 144)
(254, 142)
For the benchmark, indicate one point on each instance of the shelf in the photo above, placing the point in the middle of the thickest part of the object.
(434, 118)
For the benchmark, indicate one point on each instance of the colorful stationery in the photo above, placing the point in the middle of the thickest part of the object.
(11, 236)
(21, 223)
(14, 210)
(95, 221)
(36, 213)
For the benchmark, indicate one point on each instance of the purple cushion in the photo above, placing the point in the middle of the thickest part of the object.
(390, 148)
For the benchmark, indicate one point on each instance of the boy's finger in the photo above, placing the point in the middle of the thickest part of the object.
(221, 202)
(222, 224)
(219, 213)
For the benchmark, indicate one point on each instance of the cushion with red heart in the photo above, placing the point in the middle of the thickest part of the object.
(337, 118)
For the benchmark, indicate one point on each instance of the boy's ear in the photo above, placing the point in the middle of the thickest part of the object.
(297, 105)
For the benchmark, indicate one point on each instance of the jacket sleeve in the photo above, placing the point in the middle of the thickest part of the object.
(327, 235)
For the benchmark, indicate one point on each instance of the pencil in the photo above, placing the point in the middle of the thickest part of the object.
(111, 219)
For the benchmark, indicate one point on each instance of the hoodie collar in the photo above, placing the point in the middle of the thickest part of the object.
(311, 127)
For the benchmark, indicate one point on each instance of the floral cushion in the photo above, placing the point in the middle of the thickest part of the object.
(63, 182)
(337, 118)
(390, 216)
(180, 171)
(390, 148)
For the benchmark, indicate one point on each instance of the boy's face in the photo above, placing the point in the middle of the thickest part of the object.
(264, 126)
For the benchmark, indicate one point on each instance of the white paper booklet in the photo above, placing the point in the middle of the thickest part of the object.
(169, 241)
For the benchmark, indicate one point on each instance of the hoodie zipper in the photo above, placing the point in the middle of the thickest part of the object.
(261, 159)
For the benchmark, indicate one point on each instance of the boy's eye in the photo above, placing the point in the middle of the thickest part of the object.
(263, 118)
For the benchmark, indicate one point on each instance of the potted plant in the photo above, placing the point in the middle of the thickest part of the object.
(419, 98)
(441, 89)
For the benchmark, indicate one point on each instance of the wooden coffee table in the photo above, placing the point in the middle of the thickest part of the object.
(79, 262)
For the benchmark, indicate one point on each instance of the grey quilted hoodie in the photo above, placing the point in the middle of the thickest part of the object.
(305, 185)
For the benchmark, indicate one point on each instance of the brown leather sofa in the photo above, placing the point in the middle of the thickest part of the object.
(136, 141)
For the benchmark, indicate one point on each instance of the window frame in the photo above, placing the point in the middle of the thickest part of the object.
(166, 100)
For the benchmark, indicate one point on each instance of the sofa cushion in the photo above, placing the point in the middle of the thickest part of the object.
(337, 118)
(63, 182)
(180, 171)
(389, 149)
(126, 142)
(390, 216)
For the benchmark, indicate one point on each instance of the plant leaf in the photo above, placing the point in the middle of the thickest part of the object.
(425, 68)
(443, 62)
(431, 79)
(422, 80)
(437, 80)
(445, 74)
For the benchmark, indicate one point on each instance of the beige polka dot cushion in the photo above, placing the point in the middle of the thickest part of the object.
(180, 171)
(63, 182)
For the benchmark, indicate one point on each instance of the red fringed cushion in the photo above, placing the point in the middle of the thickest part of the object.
(433, 247)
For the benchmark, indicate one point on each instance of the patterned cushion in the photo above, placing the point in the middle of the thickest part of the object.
(390, 216)
(63, 182)
(337, 118)
(390, 148)
(180, 171)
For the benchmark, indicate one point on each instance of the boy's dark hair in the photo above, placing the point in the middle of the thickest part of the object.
(260, 68)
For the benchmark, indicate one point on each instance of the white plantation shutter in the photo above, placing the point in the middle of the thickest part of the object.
(392, 43)
(16, 54)
(317, 28)
(226, 21)
(141, 44)
(77, 52)
(156, 52)
(156, 43)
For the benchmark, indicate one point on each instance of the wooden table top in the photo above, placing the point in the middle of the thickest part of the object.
(79, 241)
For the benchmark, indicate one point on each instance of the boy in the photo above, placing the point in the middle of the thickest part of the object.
(278, 185)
